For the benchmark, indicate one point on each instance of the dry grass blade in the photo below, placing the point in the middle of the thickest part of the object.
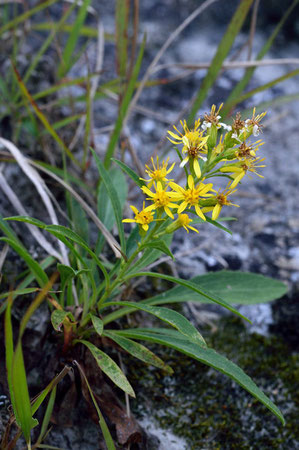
(165, 46)
(3, 254)
(252, 27)
(108, 236)
(231, 64)
(38, 236)
(39, 184)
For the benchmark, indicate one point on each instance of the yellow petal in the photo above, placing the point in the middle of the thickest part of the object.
(145, 190)
(199, 212)
(190, 182)
(182, 207)
(216, 211)
(134, 209)
(196, 167)
(168, 212)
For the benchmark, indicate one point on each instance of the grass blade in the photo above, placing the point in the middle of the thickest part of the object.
(233, 97)
(124, 108)
(221, 53)
(43, 118)
(68, 52)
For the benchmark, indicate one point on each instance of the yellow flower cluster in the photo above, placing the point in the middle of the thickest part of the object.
(231, 156)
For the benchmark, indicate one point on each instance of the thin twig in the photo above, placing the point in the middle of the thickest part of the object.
(230, 64)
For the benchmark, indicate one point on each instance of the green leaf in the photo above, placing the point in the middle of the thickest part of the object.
(97, 324)
(138, 351)
(58, 316)
(232, 286)
(169, 316)
(193, 287)
(159, 245)
(79, 220)
(109, 367)
(9, 353)
(196, 219)
(129, 172)
(21, 394)
(105, 208)
(149, 256)
(114, 199)
(207, 356)
(66, 274)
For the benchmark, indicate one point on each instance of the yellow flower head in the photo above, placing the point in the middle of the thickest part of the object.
(240, 169)
(158, 172)
(248, 151)
(212, 118)
(221, 200)
(184, 221)
(194, 143)
(190, 196)
(142, 218)
(191, 135)
(254, 123)
(161, 198)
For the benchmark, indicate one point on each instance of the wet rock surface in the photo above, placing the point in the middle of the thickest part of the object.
(207, 410)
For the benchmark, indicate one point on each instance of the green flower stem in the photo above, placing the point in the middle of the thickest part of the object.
(119, 279)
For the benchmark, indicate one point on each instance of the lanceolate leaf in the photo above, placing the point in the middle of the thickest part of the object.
(207, 356)
(58, 317)
(97, 324)
(105, 207)
(232, 286)
(138, 351)
(192, 286)
(109, 367)
(169, 316)
(114, 199)
(21, 394)
(129, 172)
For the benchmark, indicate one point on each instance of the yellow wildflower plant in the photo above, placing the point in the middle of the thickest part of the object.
(190, 196)
(143, 218)
(161, 198)
(221, 200)
(194, 143)
(158, 172)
